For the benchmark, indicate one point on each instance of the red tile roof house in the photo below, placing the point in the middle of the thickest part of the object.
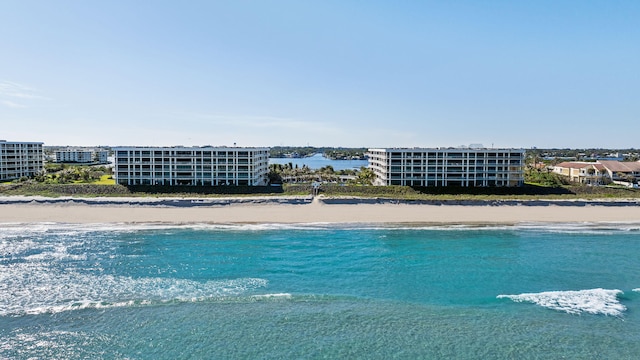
(627, 172)
(600, 172)
(593, 173)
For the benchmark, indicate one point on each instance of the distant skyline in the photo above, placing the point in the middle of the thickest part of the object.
(546, 74)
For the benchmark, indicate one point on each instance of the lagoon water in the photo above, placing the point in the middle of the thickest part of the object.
(319, 291)
(318, 160)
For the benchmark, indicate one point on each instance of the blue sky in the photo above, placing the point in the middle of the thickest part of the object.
(321, 73)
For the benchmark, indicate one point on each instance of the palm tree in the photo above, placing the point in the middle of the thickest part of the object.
(365, 176)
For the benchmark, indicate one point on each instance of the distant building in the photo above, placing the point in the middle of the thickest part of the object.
(467, 167)
(101, 156)
(82, 156)
(191, 165)
(74, 156)
(18, 159)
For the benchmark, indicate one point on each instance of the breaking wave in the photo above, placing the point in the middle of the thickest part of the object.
(12, 230)
(53, 292)
(593, 301)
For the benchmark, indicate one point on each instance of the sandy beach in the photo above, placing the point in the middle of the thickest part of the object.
(308, 210)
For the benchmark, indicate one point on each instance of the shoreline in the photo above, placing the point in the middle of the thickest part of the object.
(306, 209)
(300, 200)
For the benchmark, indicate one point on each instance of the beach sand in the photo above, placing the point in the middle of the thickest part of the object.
(135, 210)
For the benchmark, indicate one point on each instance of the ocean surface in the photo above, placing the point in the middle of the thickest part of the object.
(318, 160)
(319, 291)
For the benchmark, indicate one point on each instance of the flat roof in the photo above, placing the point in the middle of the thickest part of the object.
(20, 142)
(444, 149)
(180, 147)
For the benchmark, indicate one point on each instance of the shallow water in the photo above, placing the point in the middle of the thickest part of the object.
(319, 291)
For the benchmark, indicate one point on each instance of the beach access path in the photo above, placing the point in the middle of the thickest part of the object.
(306, 209)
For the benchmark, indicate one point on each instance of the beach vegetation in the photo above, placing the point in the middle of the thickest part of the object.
(526, 192)
(274, 175)
(544, 177)
(66, 174)
(365, 176)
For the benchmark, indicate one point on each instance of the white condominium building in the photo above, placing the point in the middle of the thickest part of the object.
(74, 156)
(101, 156)
(18, 159)
(447, 167)
(82, 156)
(191, 165)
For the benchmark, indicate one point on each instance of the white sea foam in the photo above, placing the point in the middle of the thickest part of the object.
(43, 269)
(572, 227)
(12, 230)
(636, 290)
(285, 296)
(599, 228)
(593, 301)
(25, 289)
(23, 229)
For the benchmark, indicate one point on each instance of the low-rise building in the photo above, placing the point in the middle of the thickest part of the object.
(592, 173)
(19, 159)
(599, 172)
(191, 165)
(622, 170)
(467, 167)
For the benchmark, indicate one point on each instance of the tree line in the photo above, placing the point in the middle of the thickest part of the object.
(290, 173)
(334, 153)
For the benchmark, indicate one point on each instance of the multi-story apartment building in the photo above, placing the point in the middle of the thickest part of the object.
(101, 156)
(447, 166)
(82, 156)
(191, 165)
(74, 156)
(18, 159)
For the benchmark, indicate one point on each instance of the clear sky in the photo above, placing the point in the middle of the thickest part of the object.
(321, 73)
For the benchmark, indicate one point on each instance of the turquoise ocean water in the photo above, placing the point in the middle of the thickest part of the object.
(319, 291)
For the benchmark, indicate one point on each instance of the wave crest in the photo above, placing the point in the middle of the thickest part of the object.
(593, 301)
(20, 230)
